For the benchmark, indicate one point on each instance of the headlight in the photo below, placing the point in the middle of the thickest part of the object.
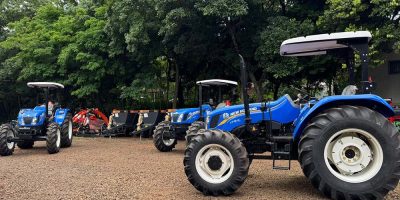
(35, 120)
(21, 122)
(180, 118)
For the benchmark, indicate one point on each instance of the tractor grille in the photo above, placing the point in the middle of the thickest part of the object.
(176, 116)
(28, 120)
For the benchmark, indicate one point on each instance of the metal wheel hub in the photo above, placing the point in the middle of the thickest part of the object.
(10, 136)
(353, 155)
(58, 142)
(69, 130)
(350, 154)
(214, 163)
(166, 137)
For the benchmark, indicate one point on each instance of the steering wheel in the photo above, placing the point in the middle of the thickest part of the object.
(300, 98)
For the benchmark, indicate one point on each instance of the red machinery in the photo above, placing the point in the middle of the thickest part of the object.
(396, 118)
(89, 121)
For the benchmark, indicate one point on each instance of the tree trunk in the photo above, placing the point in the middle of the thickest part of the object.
(177, 86)
(257, 86)
(277, 85)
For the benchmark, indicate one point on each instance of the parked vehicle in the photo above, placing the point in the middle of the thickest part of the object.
(89, 121)
(345, 144)
(167, 133)
(48, 122)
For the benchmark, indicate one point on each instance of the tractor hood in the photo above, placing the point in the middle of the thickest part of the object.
(189, 115)
(236, 109)
(31, 117)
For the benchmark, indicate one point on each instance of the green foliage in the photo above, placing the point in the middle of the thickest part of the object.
(120, 53)
(222, 8)
(267, 53)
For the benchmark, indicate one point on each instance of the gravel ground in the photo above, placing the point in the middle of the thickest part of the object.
(127, 168)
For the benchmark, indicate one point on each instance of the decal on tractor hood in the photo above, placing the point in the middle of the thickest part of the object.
(229, 116)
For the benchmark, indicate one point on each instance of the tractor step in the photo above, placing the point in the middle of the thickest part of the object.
(281, 150)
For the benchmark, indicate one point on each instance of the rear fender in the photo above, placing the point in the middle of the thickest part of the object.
(60, 115)
(370, 101)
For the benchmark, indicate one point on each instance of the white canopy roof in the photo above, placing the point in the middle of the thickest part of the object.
(216, 82)
(45, 85)
(319, 44)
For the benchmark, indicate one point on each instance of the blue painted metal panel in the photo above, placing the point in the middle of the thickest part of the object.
(367, 100)
(282, 110)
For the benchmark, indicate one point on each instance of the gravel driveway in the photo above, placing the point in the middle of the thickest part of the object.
(127, 168)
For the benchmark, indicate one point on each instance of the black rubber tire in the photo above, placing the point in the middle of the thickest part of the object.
(193, 130)
(25, 144)
(66, 141)
(233, 145)
(52, 136)
(317, 134)
(158, 137)
(4, 131)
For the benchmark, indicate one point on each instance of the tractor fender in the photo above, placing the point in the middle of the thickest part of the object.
(60, 115)
(370, 101)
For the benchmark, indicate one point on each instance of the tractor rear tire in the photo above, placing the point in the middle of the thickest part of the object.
(25, 144)
(6, 148)
(53, 140)
(351, 152)
(193, 130)
(66, 132)
(158, 138)
(216, 162)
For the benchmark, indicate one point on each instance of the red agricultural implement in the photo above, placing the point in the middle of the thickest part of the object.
(396, 118)
(89, 121)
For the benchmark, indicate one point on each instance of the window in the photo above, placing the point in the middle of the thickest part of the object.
(394, 67)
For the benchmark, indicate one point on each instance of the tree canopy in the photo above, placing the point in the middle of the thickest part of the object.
(148, 54)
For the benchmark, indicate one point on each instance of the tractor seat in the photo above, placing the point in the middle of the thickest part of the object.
(285, 97)
(221, 105)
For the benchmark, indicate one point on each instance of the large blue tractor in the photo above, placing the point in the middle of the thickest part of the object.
(345, 145)
(48, 122)
(167, 132)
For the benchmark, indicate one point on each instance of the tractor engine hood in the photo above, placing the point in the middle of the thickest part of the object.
(189, 114)
(31, 117)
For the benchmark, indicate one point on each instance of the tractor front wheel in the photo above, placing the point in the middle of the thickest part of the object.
(66, 131)
(6, 132)
(53, 140)
(216, 162)
(351, 153)
(193, 130)
(25, 144)
(162, 138)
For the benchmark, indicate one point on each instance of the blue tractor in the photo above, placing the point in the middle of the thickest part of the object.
(345, 145)
(167, 132)
(48, 122)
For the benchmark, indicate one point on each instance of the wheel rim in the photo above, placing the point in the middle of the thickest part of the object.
(214, 163)
(58, 138)
(353, 155)
(70, 130)
(167, 142)
(10, 134)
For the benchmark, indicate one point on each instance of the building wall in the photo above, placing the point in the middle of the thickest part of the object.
(388, 85)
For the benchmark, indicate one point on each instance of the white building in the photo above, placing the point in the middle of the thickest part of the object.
(387, 78)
